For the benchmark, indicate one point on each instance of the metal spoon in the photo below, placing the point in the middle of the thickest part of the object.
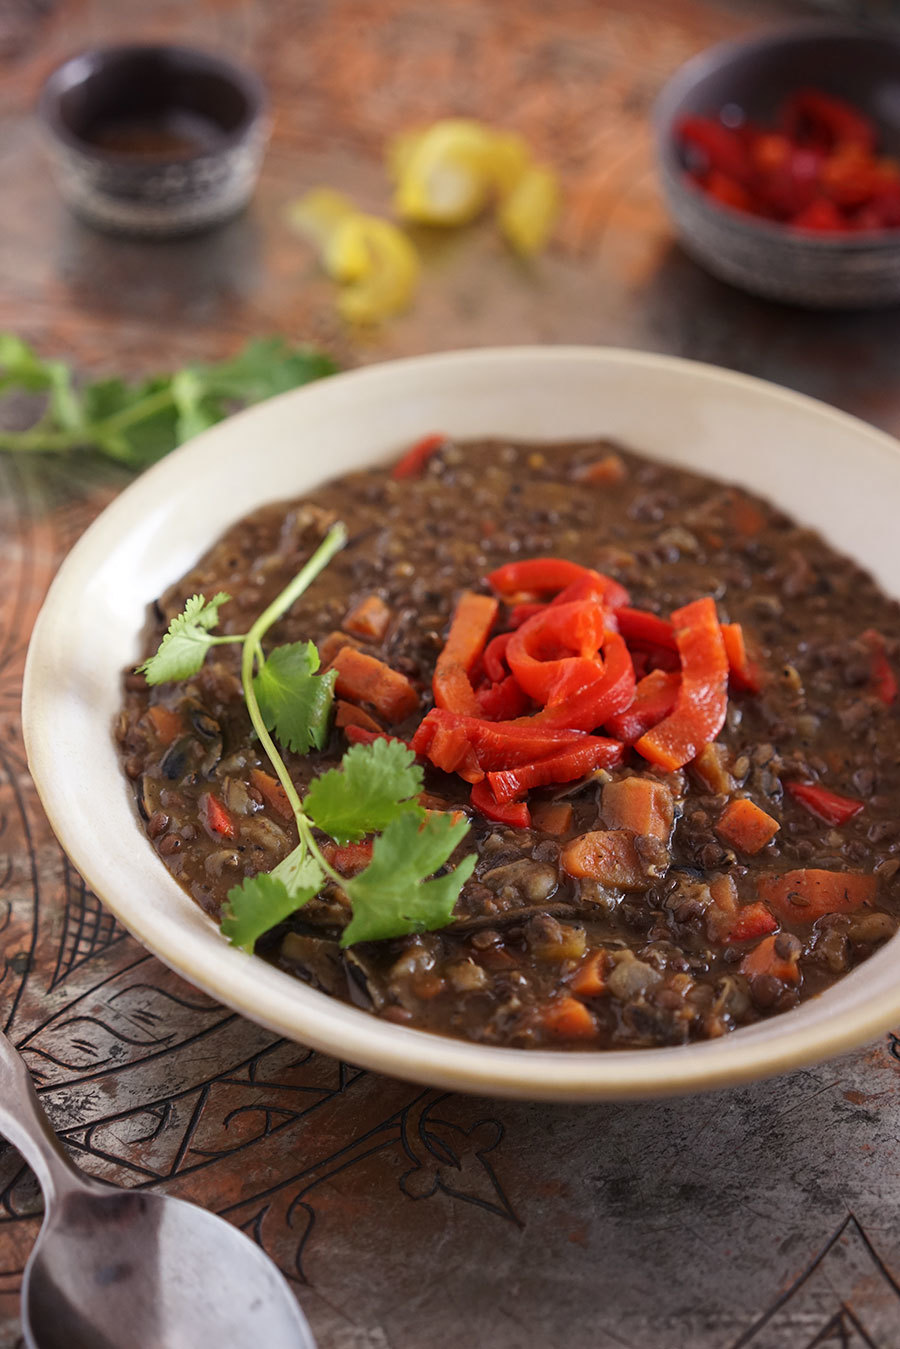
(116, 1268)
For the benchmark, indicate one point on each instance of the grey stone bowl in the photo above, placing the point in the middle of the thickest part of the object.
(177, 184)
(859, 270)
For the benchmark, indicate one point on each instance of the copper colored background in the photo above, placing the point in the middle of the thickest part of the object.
(765, 1217)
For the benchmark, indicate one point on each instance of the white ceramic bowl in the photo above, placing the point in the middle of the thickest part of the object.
(825, 468)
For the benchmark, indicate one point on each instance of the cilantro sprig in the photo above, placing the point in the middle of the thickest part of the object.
(139, 423)
(375, 790)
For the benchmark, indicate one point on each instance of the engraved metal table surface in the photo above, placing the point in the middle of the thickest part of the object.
(767, 1216)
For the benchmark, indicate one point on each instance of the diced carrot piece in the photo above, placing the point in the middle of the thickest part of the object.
(720, 915)
(746, 517)
(605, 855)
(745, 826)
(272, 792)
(709, 767)
(370, 618)
(216, 817)
(428, 801)
(348, 714)
(363, 678)
(606, 472)
(589, 980)
(569, 1019)
(348, 858)
(803, 896)
(753, 920)
(639, 804)
(455, 815)
(333, 643)
(553, 817)
(436, 805)
(764, 959)
(724, 892)
(166, 723)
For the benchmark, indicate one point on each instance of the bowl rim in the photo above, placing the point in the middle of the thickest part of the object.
(93, 59)
(346, 1032)
(721, 54)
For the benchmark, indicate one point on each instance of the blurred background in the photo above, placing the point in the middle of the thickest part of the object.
(761, 1235)
(577, 78)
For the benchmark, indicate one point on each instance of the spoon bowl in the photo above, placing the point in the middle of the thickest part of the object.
(114, 1268)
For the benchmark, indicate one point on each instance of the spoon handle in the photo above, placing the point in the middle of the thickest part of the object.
(24, 1124)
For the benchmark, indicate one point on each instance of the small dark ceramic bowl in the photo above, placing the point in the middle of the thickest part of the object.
(765, 257)
(154, 141)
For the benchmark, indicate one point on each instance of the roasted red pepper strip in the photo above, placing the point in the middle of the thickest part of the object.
(449, 749)
(218, 820)
(821, 215)
(496, 744)
(883, 679)
(830, 807)
(414, 460)
(520, 613)
(654, 698)
(593, 585)
(590, 753)
(535, 576)
(721, 147)
(810, 115)
(473, 619)
(700, 706)
(503, 701)
(753, 920)
(349, 858)
(555, 653)
(591, 706)
(496, 666)
(640, 626)
(515, 813)
(744, 673)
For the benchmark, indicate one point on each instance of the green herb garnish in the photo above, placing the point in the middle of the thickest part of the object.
(375, 791)
(139, 423)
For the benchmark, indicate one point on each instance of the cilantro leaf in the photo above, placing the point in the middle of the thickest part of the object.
(139, 423)
(264, 900)
(183, 650)
(294, 701)
(266, 366)
(376, 784)
(392, 897)
(21, 368)
(134, 423)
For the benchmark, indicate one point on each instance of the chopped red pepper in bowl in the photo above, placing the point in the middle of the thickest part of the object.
(818, 168)
(779, 156)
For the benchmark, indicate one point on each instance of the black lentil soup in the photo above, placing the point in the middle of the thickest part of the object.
(704, 917)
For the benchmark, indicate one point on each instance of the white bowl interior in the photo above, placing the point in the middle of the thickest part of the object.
(798, 452)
